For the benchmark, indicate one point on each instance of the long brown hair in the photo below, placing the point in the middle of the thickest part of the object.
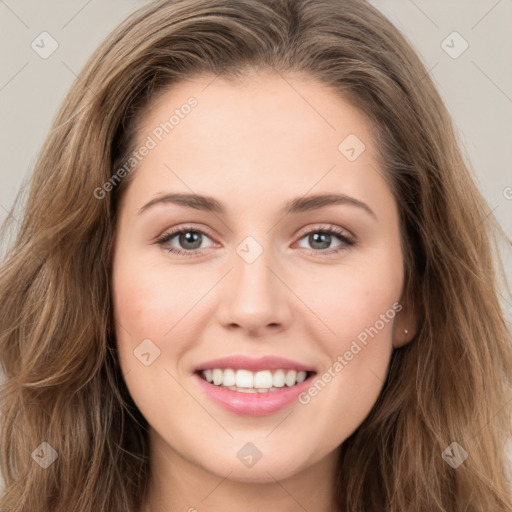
(63, 383)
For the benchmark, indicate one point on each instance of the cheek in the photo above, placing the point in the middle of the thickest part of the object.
(149, 298)
(142, 307)
(350, 300)
(146, 309)
(358, 304)
(156, 302)
(359, 309)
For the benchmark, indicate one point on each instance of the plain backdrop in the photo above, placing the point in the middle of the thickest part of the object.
(466, 47)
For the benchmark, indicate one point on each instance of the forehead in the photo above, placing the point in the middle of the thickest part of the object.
(266, 134)
(264, 104)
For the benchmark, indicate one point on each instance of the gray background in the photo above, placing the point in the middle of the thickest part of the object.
(476, 86)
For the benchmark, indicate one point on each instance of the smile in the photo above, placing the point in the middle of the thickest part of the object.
(250, 386)
(246, 381)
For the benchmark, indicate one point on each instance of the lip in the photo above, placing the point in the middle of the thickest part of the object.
(241, 362)
(253, 404)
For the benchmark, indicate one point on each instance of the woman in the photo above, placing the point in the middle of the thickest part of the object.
(254, 367)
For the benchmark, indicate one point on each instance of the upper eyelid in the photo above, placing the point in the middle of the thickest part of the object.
(326, 227)
(171, 233)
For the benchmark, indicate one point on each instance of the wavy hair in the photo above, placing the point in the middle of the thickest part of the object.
(63, 383)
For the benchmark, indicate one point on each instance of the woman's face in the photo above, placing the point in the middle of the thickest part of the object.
(259, 279)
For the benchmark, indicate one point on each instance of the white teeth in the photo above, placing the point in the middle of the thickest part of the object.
(279, 378)
(244, 379)
(218, 376)
(252, 382)
(229, 377)
(291, 378)
(263, 379)
(243, 390)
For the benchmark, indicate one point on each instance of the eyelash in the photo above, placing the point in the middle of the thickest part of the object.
(328, 230)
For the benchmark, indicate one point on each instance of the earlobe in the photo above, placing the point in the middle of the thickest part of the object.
(405, 327)
(401, 339)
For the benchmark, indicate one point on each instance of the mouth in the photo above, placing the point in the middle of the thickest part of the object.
(253, 387)
(247, 381)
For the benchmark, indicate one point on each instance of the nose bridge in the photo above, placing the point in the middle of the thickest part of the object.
(255, 297)
(252, 281)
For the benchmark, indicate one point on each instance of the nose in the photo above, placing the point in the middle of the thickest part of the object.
(255, 297)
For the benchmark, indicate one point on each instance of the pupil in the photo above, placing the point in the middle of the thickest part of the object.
(325, 242)
(190, 237)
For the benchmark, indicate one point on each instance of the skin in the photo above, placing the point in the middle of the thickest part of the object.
(244, 142)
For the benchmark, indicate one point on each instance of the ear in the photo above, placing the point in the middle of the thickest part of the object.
(405, 327)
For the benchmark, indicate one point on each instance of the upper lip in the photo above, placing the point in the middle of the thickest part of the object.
(241, 362)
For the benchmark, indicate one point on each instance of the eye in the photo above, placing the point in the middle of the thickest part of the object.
(320, 240)
(189, 238)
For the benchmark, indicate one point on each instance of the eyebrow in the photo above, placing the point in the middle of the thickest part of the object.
(297, 205)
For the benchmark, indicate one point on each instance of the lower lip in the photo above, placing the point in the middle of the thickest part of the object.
(253, 404)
